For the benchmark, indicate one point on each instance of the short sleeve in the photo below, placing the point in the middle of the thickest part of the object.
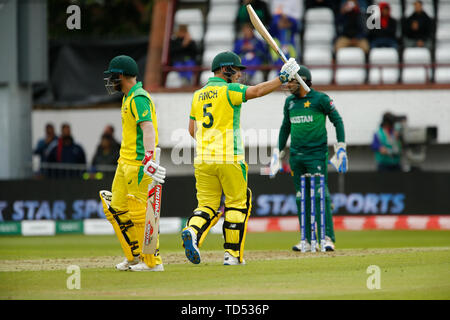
(141, 108)
(236, 93)
(191, 114)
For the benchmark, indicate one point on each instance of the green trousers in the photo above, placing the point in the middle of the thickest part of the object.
(300, 167)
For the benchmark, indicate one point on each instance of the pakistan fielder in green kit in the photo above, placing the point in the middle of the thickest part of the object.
(305, 117)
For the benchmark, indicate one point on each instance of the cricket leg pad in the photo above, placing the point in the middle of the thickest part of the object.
(235, 228)
(201, 221)
(121, 226)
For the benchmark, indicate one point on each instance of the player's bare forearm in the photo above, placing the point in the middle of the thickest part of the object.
(192, 128)
(148, 132)
(262, 89)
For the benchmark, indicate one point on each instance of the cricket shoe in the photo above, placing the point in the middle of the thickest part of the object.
(329, 245)
(125, 264)
(190, 246)
(298, 247)
(229, 260)
(141, 266)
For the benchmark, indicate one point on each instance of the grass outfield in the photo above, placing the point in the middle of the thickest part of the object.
(413, 265)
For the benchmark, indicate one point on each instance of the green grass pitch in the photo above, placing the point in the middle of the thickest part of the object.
(412, 265)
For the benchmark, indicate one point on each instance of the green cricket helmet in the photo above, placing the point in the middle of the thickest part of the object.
(123, 65)
(120, 65)
(226, 58)
(304, 73)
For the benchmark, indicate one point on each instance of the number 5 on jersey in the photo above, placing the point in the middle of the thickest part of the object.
(207, 114)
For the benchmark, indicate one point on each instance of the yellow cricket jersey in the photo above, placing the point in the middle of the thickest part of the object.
(137, 107)
(216, 108)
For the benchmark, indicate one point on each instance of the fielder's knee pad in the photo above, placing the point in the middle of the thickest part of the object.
(202, 220)
(121, 225)
(235, 228)
(138, 210)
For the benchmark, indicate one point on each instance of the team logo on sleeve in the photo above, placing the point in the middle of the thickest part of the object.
(332, 105)
(145, 113)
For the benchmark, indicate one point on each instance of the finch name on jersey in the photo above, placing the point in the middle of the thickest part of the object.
(207, 95)
(302, 119)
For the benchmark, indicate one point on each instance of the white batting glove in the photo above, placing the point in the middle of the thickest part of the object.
(153, 169)
(339, 160)
(289, 70)
(275, 162)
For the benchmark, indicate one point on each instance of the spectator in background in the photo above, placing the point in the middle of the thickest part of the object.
(251, 49)
(109, 130)
(44, 143)
(352, 28)
(68, 152)
(387, 145)
(260, 8)
(283, 30)
(418, 28)
(107, 152)
(292, 8)
(385, 36)
(183, 52)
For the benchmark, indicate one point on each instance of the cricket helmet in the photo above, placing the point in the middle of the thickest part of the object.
(122, 65)
(226, 58)
(304, 73)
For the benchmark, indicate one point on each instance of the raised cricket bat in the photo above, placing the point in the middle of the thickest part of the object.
(266, 35)
(151, 230)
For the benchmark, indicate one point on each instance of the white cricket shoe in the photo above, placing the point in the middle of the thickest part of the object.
(141, 266)
(298, 247)
(229, 260)
(329, 245)
(125, 264)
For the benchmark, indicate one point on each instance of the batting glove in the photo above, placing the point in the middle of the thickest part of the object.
(275, 162)
(339, 160)
(153, 169)
(289, 70)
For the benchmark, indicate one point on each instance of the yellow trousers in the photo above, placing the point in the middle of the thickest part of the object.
(129, 201)
(212, 180)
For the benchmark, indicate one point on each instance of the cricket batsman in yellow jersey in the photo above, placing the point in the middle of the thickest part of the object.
(220, 163)
(125, 206)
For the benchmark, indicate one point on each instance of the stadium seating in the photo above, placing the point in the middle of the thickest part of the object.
(174, 80)
(442, 74)
(353, 74)
(443, 15)
(418, 73)
(314, 56)
(219, 34)
(443, 34)
(384, 75)
(194, 19)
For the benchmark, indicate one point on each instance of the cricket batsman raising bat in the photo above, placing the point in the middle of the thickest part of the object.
(219, 164)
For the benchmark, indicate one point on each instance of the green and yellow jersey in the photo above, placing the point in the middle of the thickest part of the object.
(216, 108)
(305, 120)
(137, 107)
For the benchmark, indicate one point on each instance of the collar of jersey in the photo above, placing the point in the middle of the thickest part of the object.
(216, 79)
(133, 89)
(307, 95)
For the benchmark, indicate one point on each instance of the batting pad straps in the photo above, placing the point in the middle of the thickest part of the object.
(201, 221)
(238, 226)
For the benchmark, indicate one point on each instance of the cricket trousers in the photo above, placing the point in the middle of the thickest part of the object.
(129, 206)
